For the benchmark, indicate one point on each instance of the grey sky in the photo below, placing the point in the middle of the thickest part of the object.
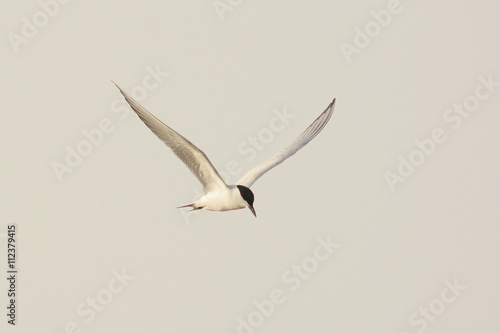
(403, 180)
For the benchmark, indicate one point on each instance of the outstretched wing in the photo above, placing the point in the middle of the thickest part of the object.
(250, 177)
(192, 156)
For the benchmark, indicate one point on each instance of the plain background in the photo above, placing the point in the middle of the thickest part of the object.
(117, 209)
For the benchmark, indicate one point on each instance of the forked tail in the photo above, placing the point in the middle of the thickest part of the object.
(191, 205)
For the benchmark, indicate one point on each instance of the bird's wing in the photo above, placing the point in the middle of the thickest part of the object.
(251, 176)
(192, 156)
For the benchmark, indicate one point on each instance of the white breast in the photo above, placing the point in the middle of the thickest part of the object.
(222, 200)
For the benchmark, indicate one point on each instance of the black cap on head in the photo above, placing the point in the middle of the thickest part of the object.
(247, 195)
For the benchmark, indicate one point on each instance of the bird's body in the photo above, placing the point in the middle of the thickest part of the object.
(220, 200)
(218, 195)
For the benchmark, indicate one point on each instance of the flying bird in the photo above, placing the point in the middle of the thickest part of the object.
(218, 195)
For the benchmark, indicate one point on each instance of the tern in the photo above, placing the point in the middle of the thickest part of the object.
(218, 195)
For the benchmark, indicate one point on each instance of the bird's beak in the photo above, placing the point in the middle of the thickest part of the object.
(252, 210)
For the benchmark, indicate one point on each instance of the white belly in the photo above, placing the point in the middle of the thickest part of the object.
(222, 200)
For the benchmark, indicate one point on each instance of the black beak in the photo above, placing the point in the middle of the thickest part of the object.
(252, 210)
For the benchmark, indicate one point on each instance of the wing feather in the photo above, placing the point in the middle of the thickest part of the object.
(192, 156)
(310, 133)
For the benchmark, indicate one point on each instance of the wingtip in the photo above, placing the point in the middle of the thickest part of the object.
(332, 104)
(116, 85)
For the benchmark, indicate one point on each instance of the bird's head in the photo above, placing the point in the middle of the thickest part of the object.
(247, 195)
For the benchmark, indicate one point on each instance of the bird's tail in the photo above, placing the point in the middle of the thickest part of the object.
(191, 205)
